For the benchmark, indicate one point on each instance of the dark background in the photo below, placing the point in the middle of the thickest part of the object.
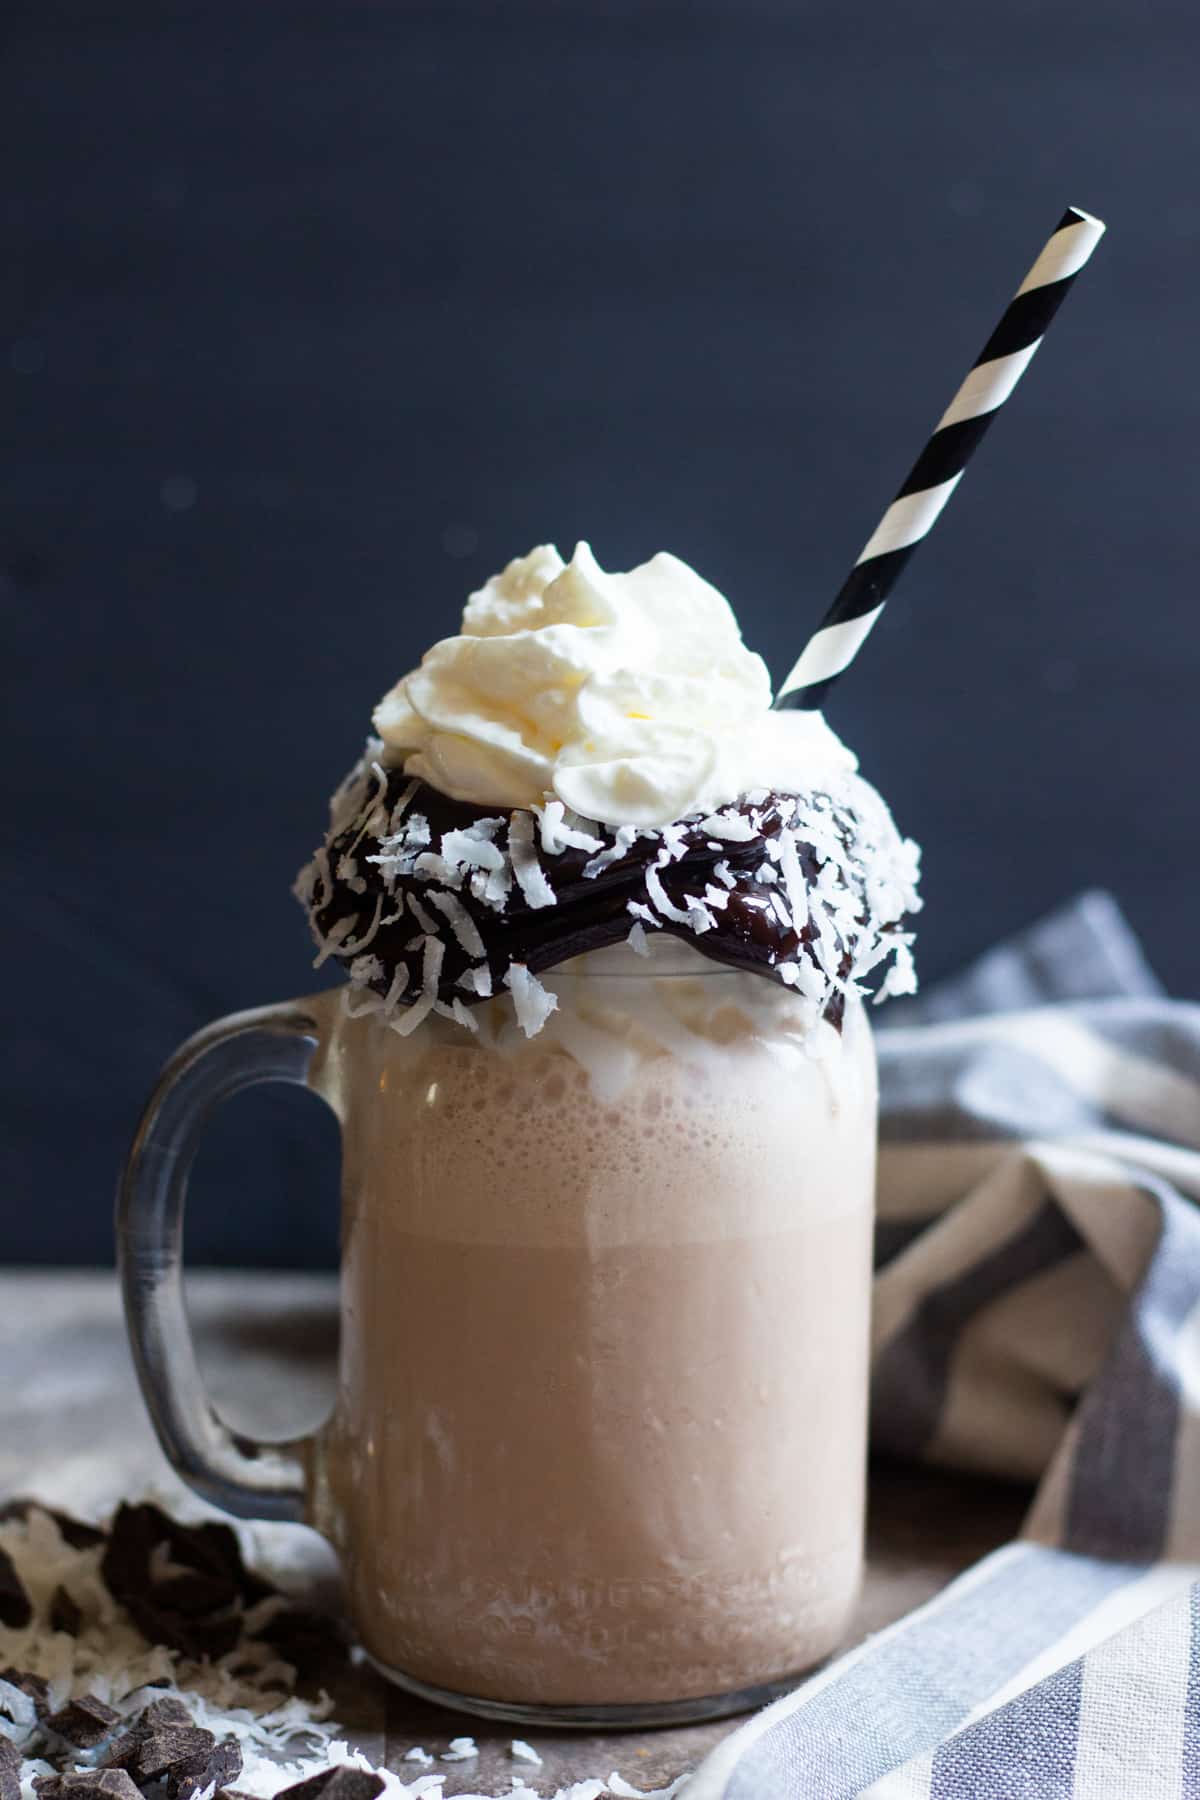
(313, 315)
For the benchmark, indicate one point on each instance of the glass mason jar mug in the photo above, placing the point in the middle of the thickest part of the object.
(598, 1449)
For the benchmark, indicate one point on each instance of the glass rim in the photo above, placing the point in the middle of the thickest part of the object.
(669, 960)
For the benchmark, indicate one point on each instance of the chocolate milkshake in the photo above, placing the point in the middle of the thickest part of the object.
(607, 1090)
(610, 918)
(601, 1428)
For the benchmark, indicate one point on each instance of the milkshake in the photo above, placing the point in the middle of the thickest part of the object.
(607, 1091)
(601, 1429)
(610, 918)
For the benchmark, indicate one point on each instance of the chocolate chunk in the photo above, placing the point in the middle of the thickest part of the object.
(337, 1783)
(175, 1746)
(125, 1564)
(193, 1594)
(135, 1533)
(87, 1784)
(161, 1714)
(221, 1764)
(196, 1639)
(64, 1613)
(303, 1637)
(37, 1689)
(159, 1719)
(15, 1609)
(10, 1770)
(213, 1638)
(214, 1547)
(209, 1579)
(122, 1753)
(84, 1722)
(208, 1551)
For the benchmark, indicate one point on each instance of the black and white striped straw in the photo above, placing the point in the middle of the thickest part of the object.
(939, 468)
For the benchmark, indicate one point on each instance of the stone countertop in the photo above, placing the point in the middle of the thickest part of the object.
(73, 1433)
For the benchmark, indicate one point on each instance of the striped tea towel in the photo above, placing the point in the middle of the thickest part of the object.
(1037, 1313)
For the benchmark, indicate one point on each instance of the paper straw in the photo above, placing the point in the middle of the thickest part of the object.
(939, 468)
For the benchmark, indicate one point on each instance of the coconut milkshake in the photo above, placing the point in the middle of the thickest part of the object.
(608, 1097)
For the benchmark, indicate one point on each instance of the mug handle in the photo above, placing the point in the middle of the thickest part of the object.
(273, 1043)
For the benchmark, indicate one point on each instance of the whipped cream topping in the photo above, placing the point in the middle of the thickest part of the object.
(630, 698)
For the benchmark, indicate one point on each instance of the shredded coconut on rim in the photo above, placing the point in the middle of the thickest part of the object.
(527, 868)
(533, 1004)
(811, 890)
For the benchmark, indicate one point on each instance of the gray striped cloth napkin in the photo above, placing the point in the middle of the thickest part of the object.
(1037, 1314)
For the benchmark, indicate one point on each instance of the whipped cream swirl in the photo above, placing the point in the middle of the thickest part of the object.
(631, 698)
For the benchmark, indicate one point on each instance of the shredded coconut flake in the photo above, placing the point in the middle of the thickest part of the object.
(347, 947)
(406, 1022)
(347, 872)
(731, 826)
(674, 842)
(793, 879)
(398, 985)
(472, 849)
(562, 830)
(337, 932)
(623, 842)
(624, 1790)
(461, 923)
(698, 915)
(432, 867)
(402, 805)
(478, 980)
(462, 1749)
(365, 969)
(526, 867)
(530, 999)
(661, 902)
(461, 1016)
(901, 978)
(424, 920)
(493, 887)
